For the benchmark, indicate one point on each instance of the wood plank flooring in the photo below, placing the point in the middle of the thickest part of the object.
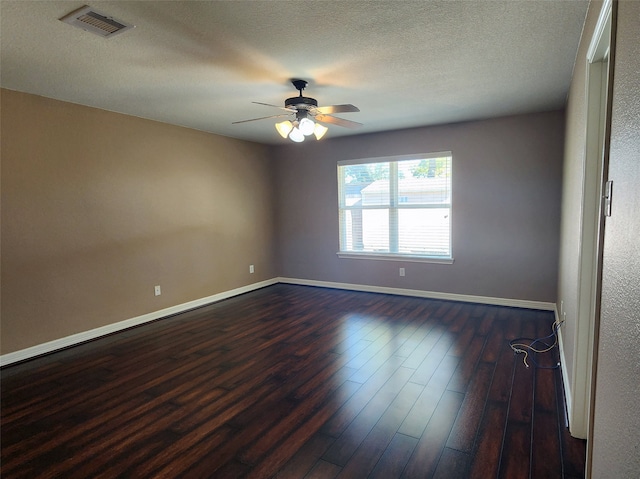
(296, 382)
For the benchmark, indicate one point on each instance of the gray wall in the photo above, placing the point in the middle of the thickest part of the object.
(507, 176)
(616, 443)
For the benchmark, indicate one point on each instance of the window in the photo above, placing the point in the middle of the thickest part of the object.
(397, 207)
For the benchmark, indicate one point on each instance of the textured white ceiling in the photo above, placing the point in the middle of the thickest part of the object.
(200, 64)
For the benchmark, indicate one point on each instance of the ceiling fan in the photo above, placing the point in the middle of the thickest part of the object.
(304, 111)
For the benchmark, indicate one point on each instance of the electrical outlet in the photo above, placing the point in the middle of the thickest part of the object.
(157, 290)
(401, 271)
(251, 269)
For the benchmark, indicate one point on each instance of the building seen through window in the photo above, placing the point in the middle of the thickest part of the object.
(396, 206)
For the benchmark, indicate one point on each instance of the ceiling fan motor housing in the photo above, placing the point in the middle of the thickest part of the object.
(301, 103)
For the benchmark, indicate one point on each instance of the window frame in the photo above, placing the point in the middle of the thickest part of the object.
(394, 207)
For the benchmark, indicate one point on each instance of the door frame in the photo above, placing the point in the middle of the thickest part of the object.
(599, 82)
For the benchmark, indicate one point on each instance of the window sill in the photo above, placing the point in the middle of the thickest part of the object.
(394, 257)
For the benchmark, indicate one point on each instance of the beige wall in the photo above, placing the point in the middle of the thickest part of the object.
(616, 443)
(506, 196)
(99, 207)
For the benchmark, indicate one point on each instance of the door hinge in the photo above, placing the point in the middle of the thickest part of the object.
(608, 191)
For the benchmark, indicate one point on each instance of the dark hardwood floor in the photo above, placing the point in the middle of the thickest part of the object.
(292, 382)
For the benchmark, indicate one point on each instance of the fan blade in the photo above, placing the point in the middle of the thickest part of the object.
(261, 118)
(275, 106)
(337, 121)
(331, 109)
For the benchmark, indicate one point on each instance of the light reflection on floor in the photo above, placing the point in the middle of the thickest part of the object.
(380, 346)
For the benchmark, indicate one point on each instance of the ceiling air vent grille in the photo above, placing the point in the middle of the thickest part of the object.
(93, 21)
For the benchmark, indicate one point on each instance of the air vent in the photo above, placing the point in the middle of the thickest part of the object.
(93, 21)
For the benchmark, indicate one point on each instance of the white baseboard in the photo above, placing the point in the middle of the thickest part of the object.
(515, 303)
(78, 338)
(565, 373)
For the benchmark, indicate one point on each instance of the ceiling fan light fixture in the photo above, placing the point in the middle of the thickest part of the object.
(319, 130)
(297, 130)
(296, 135)
(284, 128)
(306, 113)
(306, 126)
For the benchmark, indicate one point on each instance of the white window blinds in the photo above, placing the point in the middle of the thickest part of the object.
(396, 206)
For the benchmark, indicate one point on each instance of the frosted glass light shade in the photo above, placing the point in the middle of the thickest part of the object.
(306, 126)
(297, 130)
(296, 135)
(284, 128)
(319, 130)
